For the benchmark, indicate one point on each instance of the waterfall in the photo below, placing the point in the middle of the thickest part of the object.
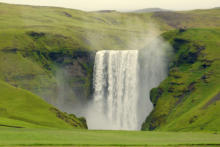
(122, 81)
(116, 89)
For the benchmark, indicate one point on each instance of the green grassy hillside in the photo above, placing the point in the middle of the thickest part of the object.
(21, 109)
(36, 42)
(188, 100)
(50, 52)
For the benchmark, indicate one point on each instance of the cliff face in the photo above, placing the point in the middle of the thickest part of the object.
(60, 75)
(73, 74)
(188, 100)
(58, 72)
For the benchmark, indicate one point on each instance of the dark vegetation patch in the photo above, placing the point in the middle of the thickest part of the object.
(3, 111)
(99, 19)
(182, 30)
(54, 48)
(107, 11)
(77, 63)
(70, 118)
(22, 77)
(40, 56)
(10, 50)
(60, 56)
(186, 52)
(154, 122)
(174, 72)
(155, 94)
(187, 90)
(206, 76)
(67, 14)
(188, 57)
(178, 42)
(206, 63)
(10, 126)
(212, 101)
(190, 88)
(193, 119)
(36, 35)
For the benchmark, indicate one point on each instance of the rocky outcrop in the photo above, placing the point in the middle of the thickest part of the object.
(70, 119)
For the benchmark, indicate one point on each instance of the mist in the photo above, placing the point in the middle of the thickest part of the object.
(122, 81)
(153, 60)
(134, 60)
(107, 108)
(67, 97)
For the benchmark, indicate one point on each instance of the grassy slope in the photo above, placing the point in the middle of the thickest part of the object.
(20, 108)
(188, 100)
(108, 138)
(86, 30)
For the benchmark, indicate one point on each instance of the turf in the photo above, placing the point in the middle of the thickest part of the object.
(108, 138)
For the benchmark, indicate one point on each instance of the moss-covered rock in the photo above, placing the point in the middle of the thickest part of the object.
(70, 119)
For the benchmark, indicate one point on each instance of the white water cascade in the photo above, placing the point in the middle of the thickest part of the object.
(121, 89)
(116, 90)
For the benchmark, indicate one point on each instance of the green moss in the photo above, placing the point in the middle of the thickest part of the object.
(155, 94)
(70, 119)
